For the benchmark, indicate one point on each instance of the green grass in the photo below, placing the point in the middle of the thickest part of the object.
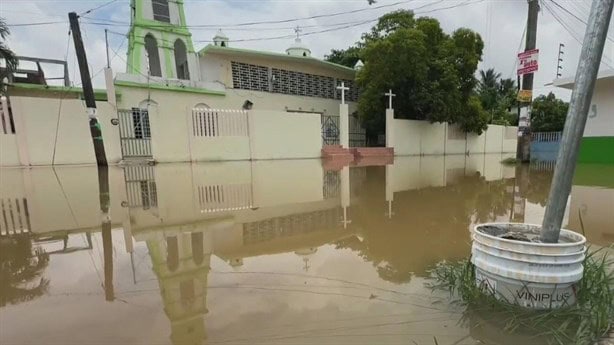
(583, 323)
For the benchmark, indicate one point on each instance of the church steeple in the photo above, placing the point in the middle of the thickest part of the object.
(160, 45)
(298, 48)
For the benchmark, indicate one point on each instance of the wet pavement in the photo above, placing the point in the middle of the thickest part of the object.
(265, 252)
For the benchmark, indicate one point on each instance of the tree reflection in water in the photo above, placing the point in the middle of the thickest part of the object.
(430, 224)
(21, 269)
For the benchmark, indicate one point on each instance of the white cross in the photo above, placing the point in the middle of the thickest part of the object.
(298, 31)
(390, 95)
(343, 88)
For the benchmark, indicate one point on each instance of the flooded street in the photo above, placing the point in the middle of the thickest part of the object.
(264, 252)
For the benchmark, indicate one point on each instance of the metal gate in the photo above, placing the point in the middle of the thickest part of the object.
(135, 133)
(330, 130)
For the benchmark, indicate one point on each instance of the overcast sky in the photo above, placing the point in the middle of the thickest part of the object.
(500, 22)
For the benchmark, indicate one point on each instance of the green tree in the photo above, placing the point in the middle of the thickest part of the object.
(10, 60)
(431, 72)
(548, 114)
(497, 96)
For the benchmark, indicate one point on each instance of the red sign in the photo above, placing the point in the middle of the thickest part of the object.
(527, 61)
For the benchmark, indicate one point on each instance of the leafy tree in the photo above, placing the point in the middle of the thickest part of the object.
(497, 96)
(548, 114)
(346, 57)
(431, 72)
(10, 60)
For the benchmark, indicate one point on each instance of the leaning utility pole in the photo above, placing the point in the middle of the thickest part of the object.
(586, 75)
(101, 158)
(88, 90)
(523, 152)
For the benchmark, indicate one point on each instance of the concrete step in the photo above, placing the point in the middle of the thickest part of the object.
(374, 151)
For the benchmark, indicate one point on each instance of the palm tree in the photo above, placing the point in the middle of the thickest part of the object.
(489, 79)
(10, 59)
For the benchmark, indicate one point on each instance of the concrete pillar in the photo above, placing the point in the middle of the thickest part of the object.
(389, 128)
(344, 126)
(345, 193)
(108, 79)
(389, 189)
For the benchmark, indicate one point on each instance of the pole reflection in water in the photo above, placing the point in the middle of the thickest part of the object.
(247, 252)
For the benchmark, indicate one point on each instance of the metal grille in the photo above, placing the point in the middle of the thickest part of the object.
(218, 198)
(6, 117)
(332, 184)
(141, 187)
(358, 135)
(217, 123)
(546, 136)
(330, 130)
(135, 133)
(15, 217)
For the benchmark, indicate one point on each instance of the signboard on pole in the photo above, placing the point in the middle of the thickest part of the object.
(525, 96)
(527, 61)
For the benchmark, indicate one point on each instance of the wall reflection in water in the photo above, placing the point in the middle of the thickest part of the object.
(401, 219)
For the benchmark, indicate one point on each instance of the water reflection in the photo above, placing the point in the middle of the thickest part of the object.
(269, 251)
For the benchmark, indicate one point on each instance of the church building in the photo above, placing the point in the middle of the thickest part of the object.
(165, 69)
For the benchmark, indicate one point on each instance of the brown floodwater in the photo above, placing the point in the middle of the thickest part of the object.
(266, 252)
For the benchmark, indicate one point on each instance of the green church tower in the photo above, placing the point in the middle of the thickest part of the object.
(159, 43)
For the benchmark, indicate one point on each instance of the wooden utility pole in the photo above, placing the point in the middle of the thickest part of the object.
(88, 90)
(586, 76)
(523, 152)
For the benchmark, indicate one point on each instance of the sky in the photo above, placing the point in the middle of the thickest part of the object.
(501, 23)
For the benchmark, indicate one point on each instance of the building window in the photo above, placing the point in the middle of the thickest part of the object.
(160, 11)
(151, 47)
(140, 122)
(181, 60)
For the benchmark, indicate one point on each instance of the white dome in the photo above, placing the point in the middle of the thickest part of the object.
(298, 49)
(220, 39)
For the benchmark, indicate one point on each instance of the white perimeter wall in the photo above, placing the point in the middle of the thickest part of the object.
(412, 137)
(600, 122)
(37, 120)
(279, 135)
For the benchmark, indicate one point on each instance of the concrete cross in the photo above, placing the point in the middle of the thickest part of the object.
(390, 95)
(343, 88)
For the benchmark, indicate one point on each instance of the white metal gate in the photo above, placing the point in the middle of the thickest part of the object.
(135, 133)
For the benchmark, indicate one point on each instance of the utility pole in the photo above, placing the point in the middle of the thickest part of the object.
(101, 159)
(523, 152)
(88, 90)
(559, 67)
(106, 44)
(586, 75)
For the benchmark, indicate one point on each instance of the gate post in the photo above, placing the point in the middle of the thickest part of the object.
(389, 120)
(344, 120)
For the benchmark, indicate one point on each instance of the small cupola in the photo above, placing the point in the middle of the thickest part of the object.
(220, 39)
(359, 65)
(298, 48)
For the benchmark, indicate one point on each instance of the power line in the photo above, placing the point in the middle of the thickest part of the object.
(98, 7)
(573, 34)
(575, 16)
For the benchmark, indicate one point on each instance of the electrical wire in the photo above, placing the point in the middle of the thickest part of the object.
(573, 34)
(97, 8)
(575, 16)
